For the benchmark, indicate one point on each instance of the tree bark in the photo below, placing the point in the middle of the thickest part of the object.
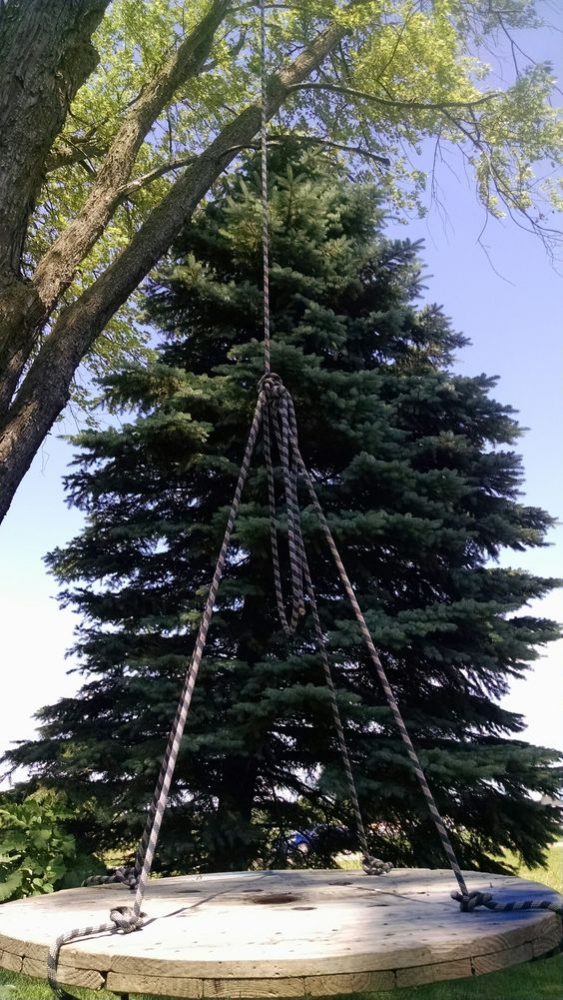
(233, 851)
(57, 268)
(24, 314)
(46, 388)
(45, 56)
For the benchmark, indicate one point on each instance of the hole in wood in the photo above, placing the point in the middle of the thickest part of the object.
(276, 897)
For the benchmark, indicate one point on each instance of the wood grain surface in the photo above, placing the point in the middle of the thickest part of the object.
(281, 934)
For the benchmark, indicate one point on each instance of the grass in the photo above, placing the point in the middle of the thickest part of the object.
(541, 980)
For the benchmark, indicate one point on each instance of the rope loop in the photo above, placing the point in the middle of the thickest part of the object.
(272, 386)
(126, 919)
(471, 900)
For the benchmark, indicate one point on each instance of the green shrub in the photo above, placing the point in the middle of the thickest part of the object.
(37, 853)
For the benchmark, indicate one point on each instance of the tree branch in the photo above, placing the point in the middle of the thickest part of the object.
(279, 137)
(46, 388)
(547, 234)
(152, 175)
(392, 104)
(57, 268)
(184, 161)
(79, 152)
(36, 91)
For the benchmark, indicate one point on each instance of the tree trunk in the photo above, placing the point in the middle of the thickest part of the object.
(57, 268)
(232, 850)
(45, 56)
(25, 308)
(46, 389)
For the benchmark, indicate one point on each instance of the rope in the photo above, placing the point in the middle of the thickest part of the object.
(271, 385)
(121, 919)
(124, 875)
(126, 919)
(469, 901)
(288, 438)
(278, 413)
(473, 900)
(370, 864)
(264, 189)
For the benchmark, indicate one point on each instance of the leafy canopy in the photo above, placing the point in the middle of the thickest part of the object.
(407, 74)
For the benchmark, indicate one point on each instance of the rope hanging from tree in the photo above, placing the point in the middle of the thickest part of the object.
(275, 411)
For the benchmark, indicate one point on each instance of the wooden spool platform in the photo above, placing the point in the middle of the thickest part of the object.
(287, 934)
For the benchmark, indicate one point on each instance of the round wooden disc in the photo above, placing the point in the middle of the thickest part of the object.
(290, 933)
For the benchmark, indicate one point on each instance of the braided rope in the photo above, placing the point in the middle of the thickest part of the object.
(127, 919)
(469, 901)
(278, 412)
(297, 605)
(176, 732)
(287, 414)
(370, 864)
(264, 189)
(122, 919)
(472, 900)
(124, 875)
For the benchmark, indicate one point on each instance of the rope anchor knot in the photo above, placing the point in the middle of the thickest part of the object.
(126, 919)
(375, 866)
(272, 385)
(471, 900)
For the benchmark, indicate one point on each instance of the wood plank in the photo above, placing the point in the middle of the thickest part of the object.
(134, 983)
(14, 945)
(502, 959)
(441, 971)
(13, 963)
(258, 988)
(320, 986)
(551, 939)
(66, 974)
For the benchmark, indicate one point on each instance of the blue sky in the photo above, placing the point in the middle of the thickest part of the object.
(515, 325)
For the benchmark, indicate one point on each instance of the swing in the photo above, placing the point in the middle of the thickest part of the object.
(279, 933)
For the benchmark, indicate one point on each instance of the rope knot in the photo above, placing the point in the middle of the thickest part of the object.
(375, 866)
(272, 385)
(126, 920)
(470, 901)
(125, 875)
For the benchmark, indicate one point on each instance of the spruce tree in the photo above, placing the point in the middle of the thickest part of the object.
(415, 467)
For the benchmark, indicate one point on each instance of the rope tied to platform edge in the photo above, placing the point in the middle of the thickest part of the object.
(472, 900)
(469, 901)
(122, 919)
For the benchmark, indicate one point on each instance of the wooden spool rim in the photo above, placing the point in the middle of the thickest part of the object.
(289, 933)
